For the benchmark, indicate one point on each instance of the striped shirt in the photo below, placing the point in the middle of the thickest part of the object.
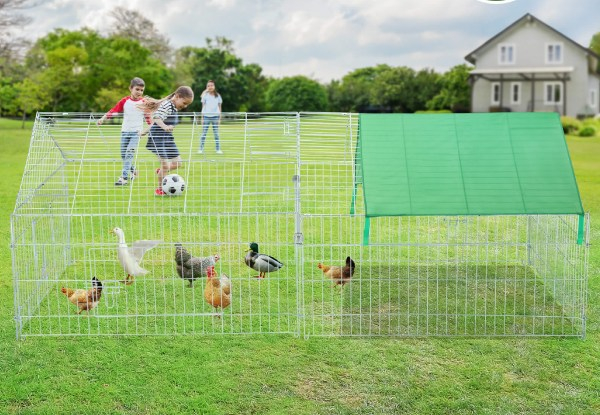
(165, 109)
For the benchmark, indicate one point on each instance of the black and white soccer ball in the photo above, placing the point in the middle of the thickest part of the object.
(173, 185)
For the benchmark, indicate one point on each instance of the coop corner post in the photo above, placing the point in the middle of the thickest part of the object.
(529, 242)
(353, 200)
(580, 231)
(244, 157)
(298, 241)
(18, 320)
(298, 238)
(585, 275)
(366, 231)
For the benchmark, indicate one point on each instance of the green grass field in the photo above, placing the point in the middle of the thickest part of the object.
(279, 373)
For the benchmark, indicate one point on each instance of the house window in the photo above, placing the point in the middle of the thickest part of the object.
(506, 54)
(593, 99)
(553, 93)
(554, 53)
(495, 93)
(515, 93)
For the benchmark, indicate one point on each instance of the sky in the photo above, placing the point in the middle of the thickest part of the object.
(326, 39)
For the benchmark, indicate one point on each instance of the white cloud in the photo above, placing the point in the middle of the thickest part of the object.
(222, 4)
(426, 11)
(327, 38)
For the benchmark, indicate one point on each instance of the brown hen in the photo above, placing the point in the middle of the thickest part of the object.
(217, 291)
(339, 275)
(86, 300)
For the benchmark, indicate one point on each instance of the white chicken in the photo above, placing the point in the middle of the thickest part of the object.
(131, 257)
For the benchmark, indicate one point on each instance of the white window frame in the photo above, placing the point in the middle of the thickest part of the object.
(506, 61)
(547, 53)
(554, 85)
(593, 98)
(493, 93)
(518, 85)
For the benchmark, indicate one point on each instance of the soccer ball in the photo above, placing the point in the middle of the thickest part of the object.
(173, 185)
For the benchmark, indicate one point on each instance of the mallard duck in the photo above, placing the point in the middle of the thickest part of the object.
(261, 262)
(131, 257)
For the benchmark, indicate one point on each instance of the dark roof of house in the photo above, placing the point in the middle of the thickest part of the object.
(527, 17)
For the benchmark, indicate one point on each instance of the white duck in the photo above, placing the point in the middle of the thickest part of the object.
(130, 258)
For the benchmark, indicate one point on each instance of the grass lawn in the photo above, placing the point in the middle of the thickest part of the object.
(281, 374)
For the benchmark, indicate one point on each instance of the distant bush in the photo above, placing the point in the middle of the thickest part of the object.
(570, 125)
(592, 122)
(499, 109)
(433, 112)
(587, 131)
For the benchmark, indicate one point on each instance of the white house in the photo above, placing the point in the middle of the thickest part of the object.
(529, 66)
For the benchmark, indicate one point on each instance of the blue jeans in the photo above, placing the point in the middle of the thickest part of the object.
(129, 143)
(215, 126)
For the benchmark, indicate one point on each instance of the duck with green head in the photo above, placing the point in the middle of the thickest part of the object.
(261, 262)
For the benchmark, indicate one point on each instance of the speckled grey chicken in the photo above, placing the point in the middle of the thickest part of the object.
(190, 267)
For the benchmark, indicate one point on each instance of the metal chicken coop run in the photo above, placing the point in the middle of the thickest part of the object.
(457, 224)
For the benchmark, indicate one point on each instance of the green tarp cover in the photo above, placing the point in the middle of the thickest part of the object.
(466, 164)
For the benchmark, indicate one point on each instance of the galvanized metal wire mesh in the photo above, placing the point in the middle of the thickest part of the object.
(286, 181)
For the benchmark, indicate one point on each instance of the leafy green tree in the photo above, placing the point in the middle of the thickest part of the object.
(255, 87)
(427, 85)
(355, 91)
(240, 85)
(401, 89)
(132, 25)
(595, 47)
(11, 50)
(121, 59)
(394, 90)
(296, 93)
(64, 78)
(383, 88)
(455, 91)
(11, 16)
(31, 97)
(75, 66)
(8, 97)
(108, 97)
(183, 65)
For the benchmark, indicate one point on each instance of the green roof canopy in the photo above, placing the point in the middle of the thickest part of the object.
(466, 164)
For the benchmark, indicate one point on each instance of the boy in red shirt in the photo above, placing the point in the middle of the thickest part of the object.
(133, 120)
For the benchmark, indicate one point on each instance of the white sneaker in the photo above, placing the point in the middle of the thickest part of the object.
(200, 151)
(219, 152)
(121, 182)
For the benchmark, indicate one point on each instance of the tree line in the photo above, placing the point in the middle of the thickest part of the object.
(84, 70)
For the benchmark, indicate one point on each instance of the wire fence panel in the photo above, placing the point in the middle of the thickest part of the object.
(447, 276)
(291, 183)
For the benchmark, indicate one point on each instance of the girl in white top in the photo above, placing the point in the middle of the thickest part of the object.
(211, 114)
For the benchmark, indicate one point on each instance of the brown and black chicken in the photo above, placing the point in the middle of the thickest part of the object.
(339, 275)
(85, 300)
